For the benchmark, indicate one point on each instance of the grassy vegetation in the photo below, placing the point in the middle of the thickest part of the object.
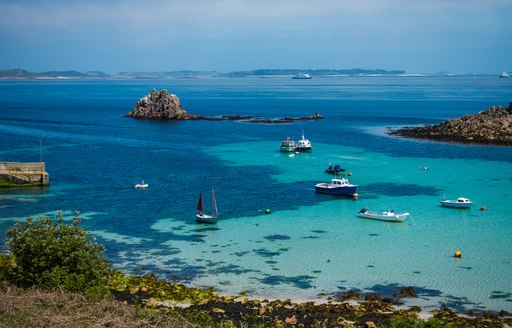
(55, 276)
(60, 308)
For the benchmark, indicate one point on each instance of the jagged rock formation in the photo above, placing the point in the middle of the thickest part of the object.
(491, 127)
(161, 105)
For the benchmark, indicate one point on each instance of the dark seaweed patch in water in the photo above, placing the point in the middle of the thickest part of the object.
(180, 268)
(265, 252)
(500, 294)
(465, 267)
(284, 249)
(205, 229)
(271, 262)
(213, 252)
(240, 254)
(316, 271)
(318, 231)
(399, 189)
(389, 290)
(231, 268)
(302, 282)
(416, 272)
(167, 251)
(460, 304)
(370, 266)
(310, 237)
(373, 234)
(277, 237)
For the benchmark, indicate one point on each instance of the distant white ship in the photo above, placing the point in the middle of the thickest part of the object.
(301, 76)
(504, 75)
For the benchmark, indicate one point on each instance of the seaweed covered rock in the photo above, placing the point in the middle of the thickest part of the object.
(160, 105)
(492, 127)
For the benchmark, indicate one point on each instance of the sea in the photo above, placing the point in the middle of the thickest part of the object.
(276, 237)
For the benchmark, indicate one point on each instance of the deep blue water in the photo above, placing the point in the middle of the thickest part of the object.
(94, 155)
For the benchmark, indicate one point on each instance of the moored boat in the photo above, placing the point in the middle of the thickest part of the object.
(304, 144)
(336, 169)
(141, 185)
(504, 75)
(201, 216)
(460, 202)
(301, 76)
(389, 216)
(337, 186)
(288, 145)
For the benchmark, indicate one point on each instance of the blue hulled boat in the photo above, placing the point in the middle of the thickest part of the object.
(336, 187)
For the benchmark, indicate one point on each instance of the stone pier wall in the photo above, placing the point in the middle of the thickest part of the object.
(14, 174)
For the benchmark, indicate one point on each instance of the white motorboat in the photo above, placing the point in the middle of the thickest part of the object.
(141, 185)
(389, 216)
(504, 75)
(460, 202)
(304, 144)
(301, 76)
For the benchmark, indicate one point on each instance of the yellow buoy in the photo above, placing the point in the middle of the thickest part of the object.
(296, 152)
(355, 195)
(457, 254)
(267, 211)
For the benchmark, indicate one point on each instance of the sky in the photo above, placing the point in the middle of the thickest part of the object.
(418, 36)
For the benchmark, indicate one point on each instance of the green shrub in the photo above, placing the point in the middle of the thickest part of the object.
(52, 254)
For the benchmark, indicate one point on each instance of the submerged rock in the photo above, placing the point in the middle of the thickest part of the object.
(491, 127)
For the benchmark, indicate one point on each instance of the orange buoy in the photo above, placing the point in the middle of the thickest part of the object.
(483, 208)
(457, 254)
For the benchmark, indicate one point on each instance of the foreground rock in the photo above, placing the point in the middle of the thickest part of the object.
(162, 105)
(490, 127)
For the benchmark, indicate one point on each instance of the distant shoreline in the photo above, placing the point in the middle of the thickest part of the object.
(21, 74)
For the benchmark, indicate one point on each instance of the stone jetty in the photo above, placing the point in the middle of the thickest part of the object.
(490, 127)
(162, 105)
(14, 174)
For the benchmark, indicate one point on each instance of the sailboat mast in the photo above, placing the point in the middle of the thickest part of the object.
(213, 204)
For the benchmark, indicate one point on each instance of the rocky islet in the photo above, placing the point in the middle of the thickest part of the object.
(491, 127)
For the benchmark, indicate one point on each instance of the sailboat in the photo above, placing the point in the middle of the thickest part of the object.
(206, 218)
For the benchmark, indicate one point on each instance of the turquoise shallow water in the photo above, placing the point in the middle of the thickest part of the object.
(310, 243)
(325, 247)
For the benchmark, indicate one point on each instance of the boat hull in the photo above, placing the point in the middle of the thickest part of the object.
(327, 188)
(384, 216)
(287, 149)
(453, 204)
(205, 218)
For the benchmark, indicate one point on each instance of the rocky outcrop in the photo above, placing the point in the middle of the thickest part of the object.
(161, 105)
(490, 127)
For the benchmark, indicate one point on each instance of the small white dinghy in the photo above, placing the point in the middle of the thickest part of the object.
(389, 216)
(141, 185)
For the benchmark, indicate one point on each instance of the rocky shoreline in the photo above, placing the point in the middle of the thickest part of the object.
(347, 309)
(162, 105)
(489, 127)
